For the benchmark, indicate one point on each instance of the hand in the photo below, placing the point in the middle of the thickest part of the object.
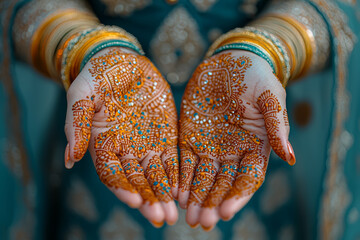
(122, 109)
(233, 112)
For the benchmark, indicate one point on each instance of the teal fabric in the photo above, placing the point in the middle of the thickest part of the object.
(293, 213)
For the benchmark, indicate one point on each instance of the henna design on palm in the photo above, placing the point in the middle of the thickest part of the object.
(129, 124)
(228, 121)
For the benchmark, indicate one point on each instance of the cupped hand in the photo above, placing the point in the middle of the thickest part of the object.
(123, 111)
(233, 112)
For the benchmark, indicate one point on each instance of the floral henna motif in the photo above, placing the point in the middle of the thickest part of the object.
(171, 163)
(224, 181)
(270, 107)
(212, 105)
(83, 112)
(204, 179)
(250, 176)
(158, 180)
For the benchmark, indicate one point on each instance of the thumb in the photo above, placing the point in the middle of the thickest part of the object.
(80, 112)
(276, 123)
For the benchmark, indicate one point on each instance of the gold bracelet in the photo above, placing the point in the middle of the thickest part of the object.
(46, 39)
(248, 35)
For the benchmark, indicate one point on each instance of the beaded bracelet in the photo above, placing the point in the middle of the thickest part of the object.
(80, 49)
(271, 49)
(248, 47)
(106, 44)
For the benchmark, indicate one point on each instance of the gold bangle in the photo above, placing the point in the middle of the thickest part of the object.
(308, 39)
(290, 37)
(47, 37)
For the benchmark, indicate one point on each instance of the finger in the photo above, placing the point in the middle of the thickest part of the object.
(151, 208)
(201, 185)
(80, 112)
(224, 180)
(187, 167)
(112, 174)
(156, 176)
(250, 176)
(276, 125)
(170, 160)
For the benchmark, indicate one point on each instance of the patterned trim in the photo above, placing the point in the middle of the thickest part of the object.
(336, 196)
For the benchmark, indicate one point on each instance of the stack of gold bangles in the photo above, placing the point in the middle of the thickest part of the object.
(67, 40)
(282, 41)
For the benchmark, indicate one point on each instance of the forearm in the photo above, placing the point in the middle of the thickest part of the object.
(291, 36)
(58, 36)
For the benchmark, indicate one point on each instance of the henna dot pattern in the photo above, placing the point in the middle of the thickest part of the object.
(137, 113)
(212, 130)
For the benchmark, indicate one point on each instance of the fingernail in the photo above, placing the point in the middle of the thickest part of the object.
(206, 229)
(292, 155)
(69, 164)
(157, 224)
(194, 225)
(227, 218)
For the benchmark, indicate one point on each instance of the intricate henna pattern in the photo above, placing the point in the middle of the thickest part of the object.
(83, 112)
(224, 180)
(270, 107)
(212, 126)
(171, 163)
(137, 106)
(203, 181)
(135, 174)
(188, 164)
(251, 175)
(158, 180)
(110, 171)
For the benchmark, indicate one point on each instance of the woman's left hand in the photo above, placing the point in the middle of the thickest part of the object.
(233, 111)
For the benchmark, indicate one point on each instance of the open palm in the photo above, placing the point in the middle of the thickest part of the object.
(233, 112)
(122, 109)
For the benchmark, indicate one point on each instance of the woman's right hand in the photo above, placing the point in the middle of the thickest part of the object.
(123, 111)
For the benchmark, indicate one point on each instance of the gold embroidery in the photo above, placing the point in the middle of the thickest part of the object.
(276, 192)
(177, 46)
(203, 5)
(182, 231)
(335, 187)
(121, 225)
(249, 226)
(124, 7)
(80, 200)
